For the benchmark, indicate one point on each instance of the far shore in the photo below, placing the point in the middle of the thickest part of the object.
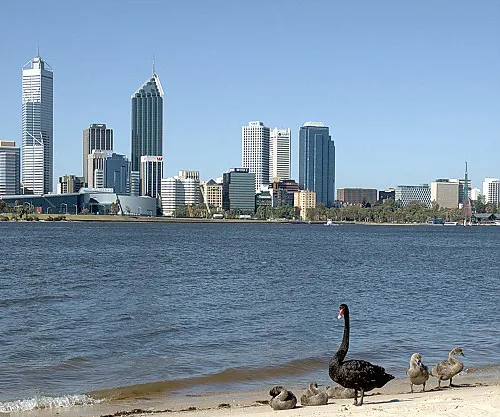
(148, 219)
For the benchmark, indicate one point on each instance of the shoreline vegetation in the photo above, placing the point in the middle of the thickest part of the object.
(8, 217)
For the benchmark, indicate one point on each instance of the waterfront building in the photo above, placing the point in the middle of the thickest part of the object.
(445, 192)
(255, 151)
(491, 190)
(97, 137)
(179, 191)
(386, 194)
(404, 194)
(95, 167)
(238, 190)
(475, 193)
(279, 155)
(212, 193)
(317, 162)
(303, 200)
(95, 201)
(283, 192)
(70, 184)
(147, 122)
(10, 166)
(151, 172)
(357, 196)
(37, 127)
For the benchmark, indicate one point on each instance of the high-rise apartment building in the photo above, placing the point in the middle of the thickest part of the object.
(255, 151)
(147, 122)
(10, 165)
(317, 162)
(279, 155)
(491, 190)
(151, 173)
(117, 174)
(238, 190)
(97, 137)
(37, 128)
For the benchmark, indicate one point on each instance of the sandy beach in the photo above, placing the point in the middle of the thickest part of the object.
(476, 399)
(475, 395)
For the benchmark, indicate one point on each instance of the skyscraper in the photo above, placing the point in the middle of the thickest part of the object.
(279, 155)
(317, 162)
(10, 164)
(37, 129)
(255, 155)
(147, 122)
(97, 137)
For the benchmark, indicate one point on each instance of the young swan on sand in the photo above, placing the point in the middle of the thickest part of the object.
(447, 369)
(417, 372)
(282, 399)
(339, 392)
(314, 396)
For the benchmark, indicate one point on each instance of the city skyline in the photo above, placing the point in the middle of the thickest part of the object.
(404, 104)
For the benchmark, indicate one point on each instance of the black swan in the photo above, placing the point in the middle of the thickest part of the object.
(282, 399)
(314, 396)
(447, 369)
(359, 375)
(418, 373)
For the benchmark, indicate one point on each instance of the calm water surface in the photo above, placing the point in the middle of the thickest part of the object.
(88, 306)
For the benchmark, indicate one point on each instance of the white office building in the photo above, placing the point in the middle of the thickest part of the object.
(404, 194)
(179, 191)
(255, 151)
(279, 155)
(37, 128)
(491, 190)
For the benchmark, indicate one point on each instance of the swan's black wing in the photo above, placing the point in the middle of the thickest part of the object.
(359, 374)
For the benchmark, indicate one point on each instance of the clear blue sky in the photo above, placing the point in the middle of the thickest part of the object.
(409, 89)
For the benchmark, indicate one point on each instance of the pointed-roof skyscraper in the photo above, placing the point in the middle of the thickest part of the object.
(147, 121)
(37, 129)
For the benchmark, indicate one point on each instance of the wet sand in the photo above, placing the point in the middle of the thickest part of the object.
(476, 395)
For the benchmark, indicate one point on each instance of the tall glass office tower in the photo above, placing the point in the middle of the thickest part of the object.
(37, 131)
(317, 162)
(147, 121)
(147, 131)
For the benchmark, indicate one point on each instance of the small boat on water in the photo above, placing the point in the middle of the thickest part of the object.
(450, 223)
(329, 222)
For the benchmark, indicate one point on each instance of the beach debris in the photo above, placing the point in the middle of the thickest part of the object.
(224, 405)
(282, 399)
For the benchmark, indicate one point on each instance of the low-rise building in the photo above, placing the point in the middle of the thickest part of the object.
(357, 196)
(445, 193)
(404, 194)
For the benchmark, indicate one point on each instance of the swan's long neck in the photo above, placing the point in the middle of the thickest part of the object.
(344, 346)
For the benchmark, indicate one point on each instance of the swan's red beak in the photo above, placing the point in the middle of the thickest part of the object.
(341, 314)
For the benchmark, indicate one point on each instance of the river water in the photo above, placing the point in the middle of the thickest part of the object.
(203, 306)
